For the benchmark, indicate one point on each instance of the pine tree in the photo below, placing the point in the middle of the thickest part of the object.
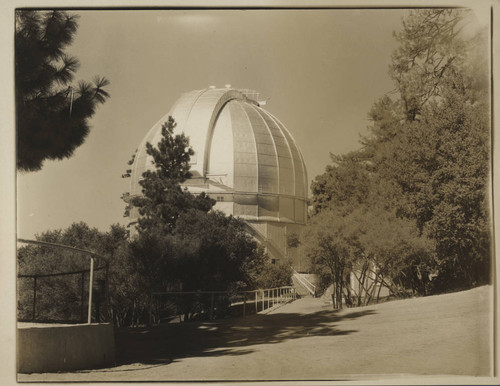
(51, 114)
(182, 243)
(438, 156)
(163, 199)
(421, 177)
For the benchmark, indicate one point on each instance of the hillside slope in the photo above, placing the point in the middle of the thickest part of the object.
(447, 335)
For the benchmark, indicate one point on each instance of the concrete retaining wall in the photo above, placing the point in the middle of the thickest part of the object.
(65, 348)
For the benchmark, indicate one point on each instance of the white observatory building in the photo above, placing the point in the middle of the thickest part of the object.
(244, 158)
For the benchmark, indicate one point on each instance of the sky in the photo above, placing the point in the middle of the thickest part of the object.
(319, 70)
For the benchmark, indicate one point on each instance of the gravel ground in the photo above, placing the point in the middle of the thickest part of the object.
(305, 340)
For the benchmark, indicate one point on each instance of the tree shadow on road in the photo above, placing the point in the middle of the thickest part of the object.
(170, 342)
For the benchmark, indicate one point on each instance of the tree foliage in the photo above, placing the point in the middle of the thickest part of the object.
(420, 179)
(183, 244)
(60, 297)
(344, 185)
(163, 200)
(51, 113)
(333, 251)
(430, 50)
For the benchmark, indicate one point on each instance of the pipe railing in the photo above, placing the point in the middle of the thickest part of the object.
(310, 287)
(259, 300)
(91, 254)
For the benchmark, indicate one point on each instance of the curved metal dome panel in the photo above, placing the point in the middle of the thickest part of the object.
(244, 157)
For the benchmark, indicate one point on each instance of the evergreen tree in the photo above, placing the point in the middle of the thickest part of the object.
(163, 199)
(420, 179)
(181, 242)
(343, 186)
(435, 149)
(51, 114)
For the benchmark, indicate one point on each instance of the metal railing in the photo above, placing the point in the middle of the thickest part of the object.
(212, 304)
(91, 271)
(310, 287)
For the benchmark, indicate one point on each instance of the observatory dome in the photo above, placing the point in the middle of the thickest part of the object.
(244, 158)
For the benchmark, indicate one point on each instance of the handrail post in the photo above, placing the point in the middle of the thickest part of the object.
(256, 303)
(82, 294)
(34, 298)
(244, 304)
(211, 306)
(106, 289)
(151, 309)
(89, 318)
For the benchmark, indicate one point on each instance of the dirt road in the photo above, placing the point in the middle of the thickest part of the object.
(305, 340)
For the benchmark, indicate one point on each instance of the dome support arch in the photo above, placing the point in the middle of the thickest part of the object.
(244, 158)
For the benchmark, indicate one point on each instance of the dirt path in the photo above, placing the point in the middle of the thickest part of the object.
(447, 334)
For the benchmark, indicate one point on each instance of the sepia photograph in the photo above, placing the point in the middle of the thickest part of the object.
(270, 192)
